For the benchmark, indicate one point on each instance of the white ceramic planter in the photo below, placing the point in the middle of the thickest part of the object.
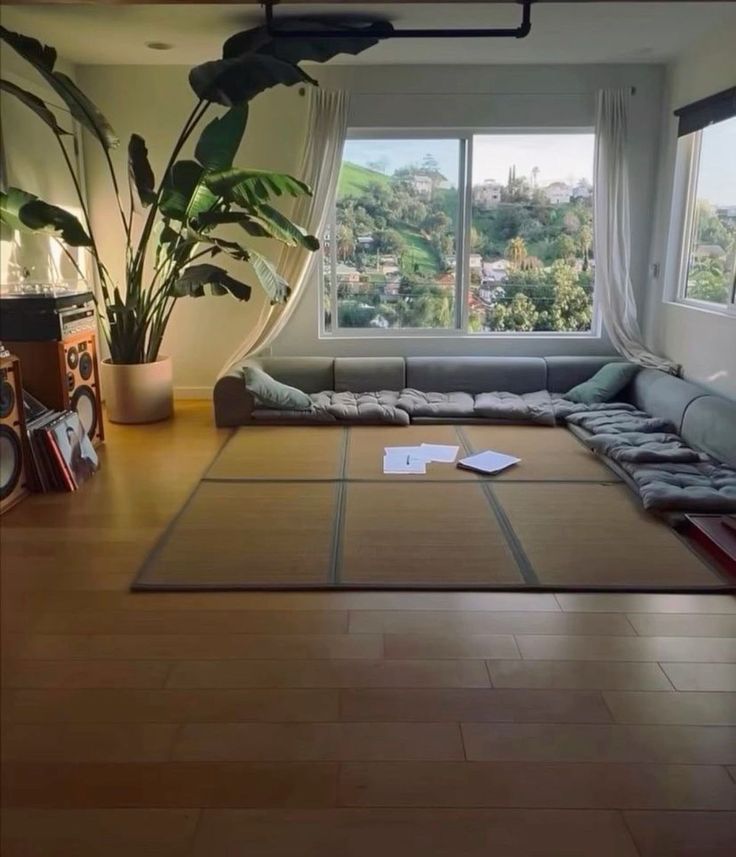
(138, 392)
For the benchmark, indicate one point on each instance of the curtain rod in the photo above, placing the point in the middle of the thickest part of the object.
(381, 30)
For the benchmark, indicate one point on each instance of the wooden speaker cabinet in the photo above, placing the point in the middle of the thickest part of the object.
(64, 375)
(13, 472)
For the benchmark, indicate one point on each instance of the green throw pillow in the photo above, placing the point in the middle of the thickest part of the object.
(604, 385)
(270, 393)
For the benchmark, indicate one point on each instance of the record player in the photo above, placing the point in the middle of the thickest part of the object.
(39, 313)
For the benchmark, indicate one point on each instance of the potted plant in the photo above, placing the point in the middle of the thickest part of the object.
(170, 226)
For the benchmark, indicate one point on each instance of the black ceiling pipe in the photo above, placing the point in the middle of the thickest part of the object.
(376, 31)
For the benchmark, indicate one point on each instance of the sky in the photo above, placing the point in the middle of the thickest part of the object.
(717, 179)
(559, 157)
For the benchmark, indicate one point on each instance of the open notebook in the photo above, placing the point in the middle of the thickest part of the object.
(488, 462)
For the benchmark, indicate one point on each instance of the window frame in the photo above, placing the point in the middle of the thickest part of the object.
(464, 136)
(682, 226)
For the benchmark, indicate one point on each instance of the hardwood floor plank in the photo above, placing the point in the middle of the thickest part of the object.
(299, 742)
(17, 674)
(170, 785)
(473, 705)
(195, 647)
(685, 649)
(94, 742)
(329, 673)
(484, 622)
(701, 676)
(684, 624)
(554, 742)
(412, 833)
(707, 709)
(541, 785)
(281, 601)
(683, 834)
(578, 675)
(168, 706)
(611, 602)
(319, 622)
(97, 832)
(421, 646)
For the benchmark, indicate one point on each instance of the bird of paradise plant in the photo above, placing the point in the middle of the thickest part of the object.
(170, 226)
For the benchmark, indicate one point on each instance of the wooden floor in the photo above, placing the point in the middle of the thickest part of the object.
(341, 724)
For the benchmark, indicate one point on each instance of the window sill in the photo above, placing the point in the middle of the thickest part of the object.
(724, 311)
(453, 334)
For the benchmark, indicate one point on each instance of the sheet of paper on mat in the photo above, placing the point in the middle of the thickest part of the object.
(488, 461)
(428, 451)
(402, 462)
(439, 452)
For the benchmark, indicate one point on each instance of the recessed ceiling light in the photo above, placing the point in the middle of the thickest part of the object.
(159, 46)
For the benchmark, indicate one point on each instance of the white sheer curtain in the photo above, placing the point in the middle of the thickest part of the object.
(613, 232)
(320, 169)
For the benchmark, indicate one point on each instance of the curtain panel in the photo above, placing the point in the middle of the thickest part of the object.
(320, 168)
(612, 232)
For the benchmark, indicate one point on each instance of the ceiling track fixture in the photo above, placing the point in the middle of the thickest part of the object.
(378, 32)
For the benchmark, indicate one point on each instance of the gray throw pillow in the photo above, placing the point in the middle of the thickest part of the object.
(270, 393)
(604, 385)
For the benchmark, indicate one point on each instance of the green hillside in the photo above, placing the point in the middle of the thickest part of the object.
(355, 180)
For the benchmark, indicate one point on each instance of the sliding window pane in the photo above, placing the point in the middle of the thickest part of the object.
(393, 253)
(711, 261)
(531, 239)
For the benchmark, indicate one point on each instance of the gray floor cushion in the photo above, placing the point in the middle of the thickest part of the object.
(643, 447)
(517, 408)
(330, 407)
(702, 487)
(618, 421)
(417, 403)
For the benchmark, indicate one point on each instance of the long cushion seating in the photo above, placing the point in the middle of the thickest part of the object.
(673, 441)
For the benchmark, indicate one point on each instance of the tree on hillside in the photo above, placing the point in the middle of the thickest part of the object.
(519, 315)
(585, 242)
(516, 251)
(565, 248)
(345, 242)
(389, 241)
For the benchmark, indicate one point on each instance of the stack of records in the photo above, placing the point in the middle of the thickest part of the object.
(62, 456)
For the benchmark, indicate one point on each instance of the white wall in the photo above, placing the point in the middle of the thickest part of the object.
(488, 97)
(703, 342)
(154, 102)
(32, 161)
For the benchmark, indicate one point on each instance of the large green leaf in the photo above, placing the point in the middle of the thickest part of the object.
(43, 59)
(358, 37)
(194, 279)
(284, 229)
(185, 195)
(272, 282)
(140, 174)
(221, 139)
(252, 187)
(27, 213)
(253, 227)
(237, 80)
(39, 107)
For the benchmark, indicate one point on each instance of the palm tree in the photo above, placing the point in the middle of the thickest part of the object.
(516, 251)
(345, 242)
(585, 240)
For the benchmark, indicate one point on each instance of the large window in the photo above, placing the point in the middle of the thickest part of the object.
(708, 272)
(485, 233)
